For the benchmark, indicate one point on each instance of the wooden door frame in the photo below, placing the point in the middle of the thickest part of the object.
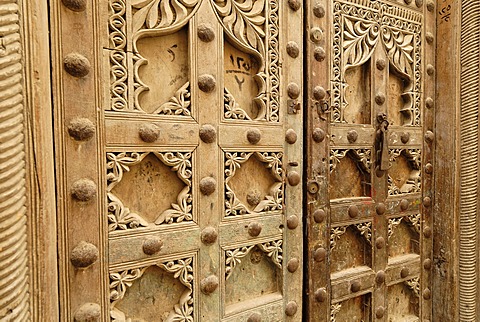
(449, 296)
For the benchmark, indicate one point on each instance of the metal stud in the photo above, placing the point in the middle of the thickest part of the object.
(404, 204)
(319, 254)
(319, 10)
(427, 202)
(292, 49)
(152, 245)
(88, 312)
(380, 277)
(81, 129)
(379, 312)
(75, 5)
(84, 255)
(292, 222)
(429, 168)
(380, 98)
(209, 284)
(430, 69)
(149, 132)
(294, 4)
(84, 190)
(429, 102)
(254, 197)
(208, 133)
(419, 3)
(427, 294)
(320, 295)
(254, 229)
(355, 286)
(76, 65)
(293, 178)
(316, 35)
(380, 242)
(293, 90)
(206, 83)
(293, 265)
(291, 308)
(254, 317)
(319, 215)
(291, 136)
(318, 135)
(254, 136)
(427, 264)
(205, 32)
(319, 54)
(353, 211)
(430, 5)
(380, 208)
(429, 37)
(381, 64)
(404, 272)
(429, 136)
(405, 137)
(319, 93)
(209, 235)
(352, 136)
(427, 232)
(208, 186)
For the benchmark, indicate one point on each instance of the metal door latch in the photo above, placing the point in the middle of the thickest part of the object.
(381, 143)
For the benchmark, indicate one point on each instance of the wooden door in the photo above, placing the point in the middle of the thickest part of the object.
(179, 159)
(370, 134)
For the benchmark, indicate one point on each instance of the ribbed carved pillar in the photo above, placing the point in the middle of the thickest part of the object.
(14, 299)
(469, 91)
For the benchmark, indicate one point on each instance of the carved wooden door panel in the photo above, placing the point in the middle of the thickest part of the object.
(179, 159)
(370, 128)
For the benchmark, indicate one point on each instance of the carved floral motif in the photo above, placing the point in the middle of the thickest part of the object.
(181, 269)
(271, 202)
(362, 156)
(120, 217)
(365, 230)
(334, 309)
(413, 221)
(414, 285)
(179, 104)
(335, 234)
(118, 56)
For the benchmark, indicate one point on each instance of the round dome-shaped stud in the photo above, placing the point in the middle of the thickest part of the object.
(427, 264)
(430, 5)
(429, 102)
(419, 3)
(428, 168)
(206, 83)
(292, 222)
(292, 49)
(427, 294)
(254, 197)
(379, 312)
(427, 232)
(319, 254)
(294, 4)
(149, 132)
(316, 35)
(408, 1)
(319, 93)
(380, 242)
(430, 69)
(208, 186)
(320, 295)
(254, 317)
(84, 190)
(319, 54)
(209, 284)
(293, 90)
(76, 65)
(405, 137)
(380, 208)
(293, 178)
(319, 215)
(429, 136)
(427, 202)
(291, 136)
(353, 211)
(291, 308)
(381, 64)
(404, 204)
(319, 10)
(352, 136)
(293, 265)
(254, 136)
(355, 286)
(88, 312)
(380, 98)
(208, 133)
(380, 277)
(429, 37)
(404, 272)
(254, 229)
(152, 245)
(81, 129)
(84, 255)
(209, 235)
(318, 135)
(75, 5)
(205, 32)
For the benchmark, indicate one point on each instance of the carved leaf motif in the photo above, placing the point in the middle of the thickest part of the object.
(272, 202)
(179, 104)
(180, 162)
(118, 163)
(181, 269)
(244, 23)
(183, 311)
(233, 162)
(156, 14)
(274, 162)
(335, 234)
(180, 211)
(334, 309)
(273, 250)
(232, 108)
(392, 224)
(335, 157)
(360, 38)
(414, 285)
(119, 282)
(365, 230)
(233, 257)
(120, 217)
(399, 46)
(415, 221)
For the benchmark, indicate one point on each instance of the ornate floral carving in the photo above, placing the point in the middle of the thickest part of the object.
(392, 224)
(415, 221)
(335, 234)
(334, 309)
(363, 156)
(181, 269)
(120, 217)
(365, 230)
(232, 108)
(179, 104)
(118, 56)
(271, 202)
(357, 32)
(413, 183)
(273, 249)
(414, 285)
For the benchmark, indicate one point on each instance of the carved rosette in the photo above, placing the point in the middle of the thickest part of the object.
(413, 183)
(181, 269)
(120, 217)
(273, 250)
(358, 31)
(273, 202)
